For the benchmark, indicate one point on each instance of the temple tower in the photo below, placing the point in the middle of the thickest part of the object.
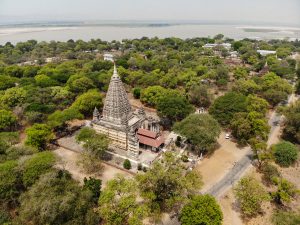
(116, 106)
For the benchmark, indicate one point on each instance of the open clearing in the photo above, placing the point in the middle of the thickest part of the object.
(68, 160)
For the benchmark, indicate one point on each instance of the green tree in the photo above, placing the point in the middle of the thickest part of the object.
(7, 120)
(291, 130)
(118, 203)
(85, 133)
(7, 82)
(127, 164)
(166, 185)
(57, 199)
(173, 107)
(219, 37)
(257, 104)
(283, 52)
(240, 73)
(137, 93)
(245, 126)
(270, 173)
(285, 218)
(245, 87)
(95, 144)
(13, 97)
(250, 195)
(274, 88)
(202, 209)
(38, 136)
(37, 165)
(202, 130)
(93, 185)
(261, 152)
(44, 81)
(285, 153)
(80, 84)
(200, 96)
(10, 183)
(59, 118)
(224, 107)
(286, 191)
(152, 94)
(87, 102)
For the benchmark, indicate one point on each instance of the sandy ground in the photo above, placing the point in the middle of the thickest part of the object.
(227, 201)
(231, 212)
(231, 215)
(68, 161)
(216, 166)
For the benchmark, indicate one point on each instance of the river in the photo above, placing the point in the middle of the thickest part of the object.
(16, 33)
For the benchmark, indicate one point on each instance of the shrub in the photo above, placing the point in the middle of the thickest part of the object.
(10, 183)
(7, 120)
(269, 173)
(285, 153)
(137, 93)
(4, 217)
(38, 136)
(127, 164)
(87, 102)
(178, 141)
(250, 194)
(285, 218)
(140, 166)
(202, 209)
(85, 133)
(184, 158)
(37, 165)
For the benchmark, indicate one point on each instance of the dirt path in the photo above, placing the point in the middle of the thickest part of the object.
(68, 161)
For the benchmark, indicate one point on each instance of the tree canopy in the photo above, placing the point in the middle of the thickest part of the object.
(285, 153)
(202, 209)
(250, 195)
(202, 130)
(38, 136)
(167, 185)
(224, 107)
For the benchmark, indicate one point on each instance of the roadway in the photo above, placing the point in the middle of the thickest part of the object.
(240, 167)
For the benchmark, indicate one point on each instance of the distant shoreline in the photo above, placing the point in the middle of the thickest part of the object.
(119, 31)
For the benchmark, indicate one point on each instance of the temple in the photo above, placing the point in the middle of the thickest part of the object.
(128, 130)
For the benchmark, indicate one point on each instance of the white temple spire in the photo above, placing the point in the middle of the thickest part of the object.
(115, 70)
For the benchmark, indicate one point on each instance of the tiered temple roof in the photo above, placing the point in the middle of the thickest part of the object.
(116, 106)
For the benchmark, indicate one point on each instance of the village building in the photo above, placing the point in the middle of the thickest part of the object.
(225, 45)
(128, 130)
(108, 57)
(266, 52)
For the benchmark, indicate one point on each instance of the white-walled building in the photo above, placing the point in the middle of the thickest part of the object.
(266, 52)
(108, 57)
(225, 45)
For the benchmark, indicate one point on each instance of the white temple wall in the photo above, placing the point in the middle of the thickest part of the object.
(118, 138)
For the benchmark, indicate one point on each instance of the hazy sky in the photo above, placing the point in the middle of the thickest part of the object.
(269, 11)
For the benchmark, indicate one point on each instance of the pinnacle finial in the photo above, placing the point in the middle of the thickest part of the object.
(115, 69)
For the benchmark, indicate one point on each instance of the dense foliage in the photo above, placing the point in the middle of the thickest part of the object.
(201, 130)
(250, 195)
(167, 185)
(57, 199)
(285, 153)
(202, 209)
(292, 125)
(171, 75)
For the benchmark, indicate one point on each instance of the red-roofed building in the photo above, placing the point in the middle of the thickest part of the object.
(150, 140)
